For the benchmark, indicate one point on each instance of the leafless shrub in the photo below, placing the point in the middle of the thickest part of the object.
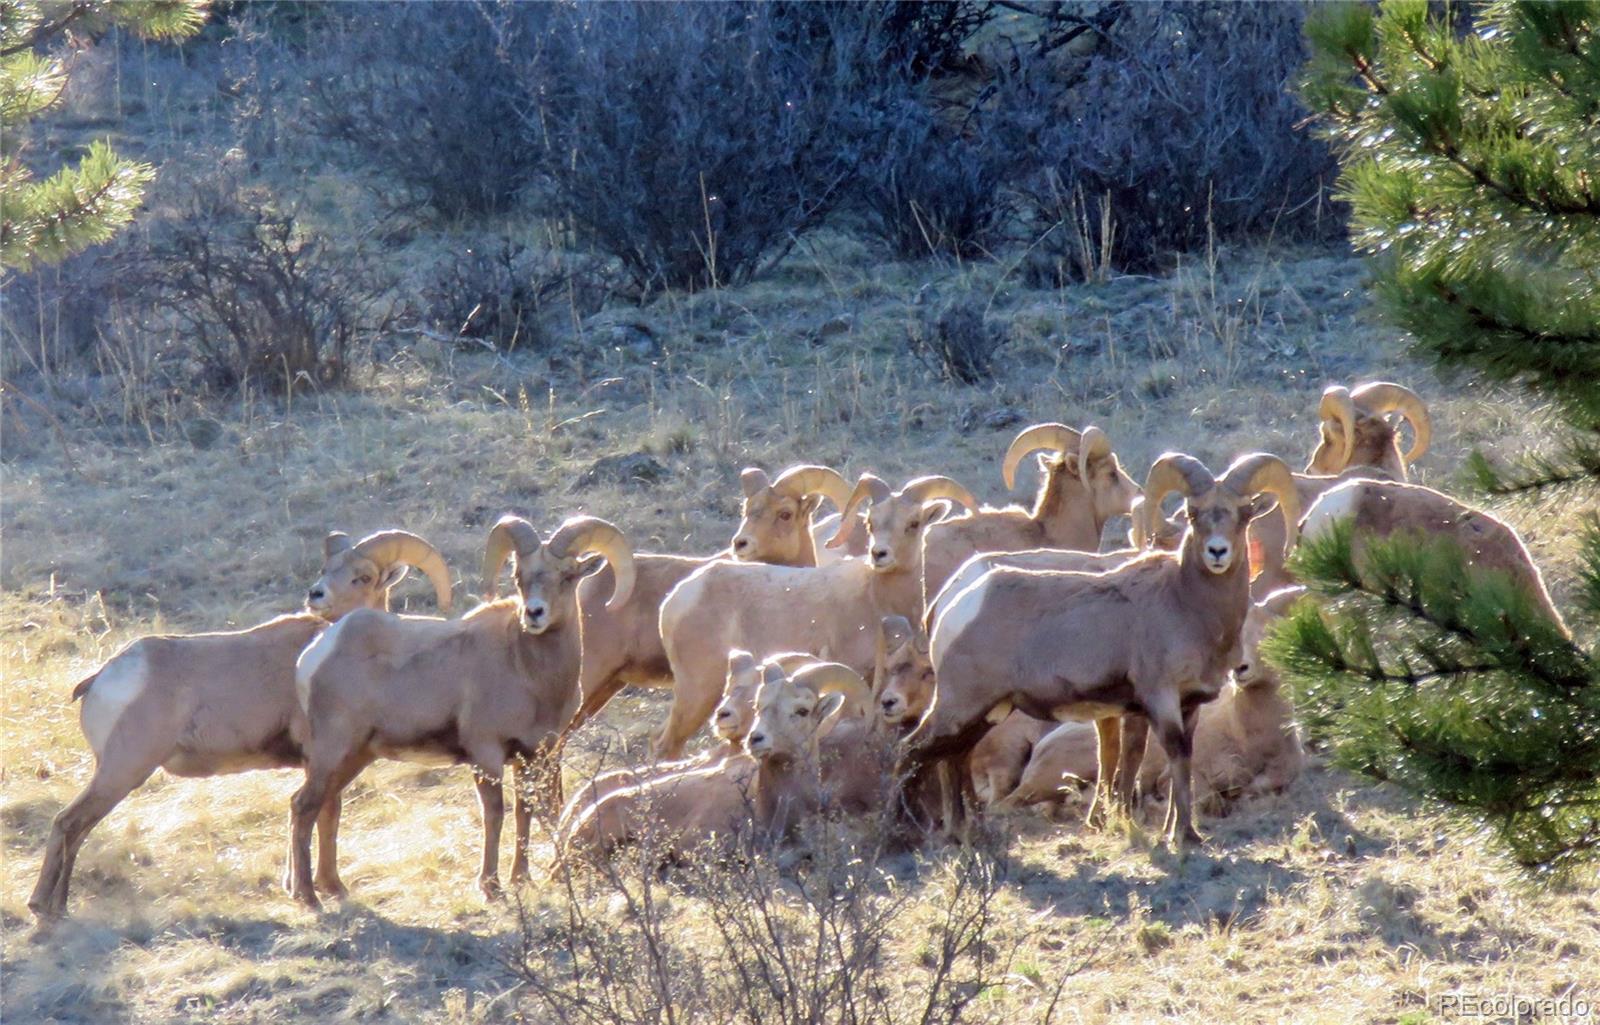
(1181, 112)
(242, 287)
(416, 91)
(692, 142)
(500, 294)
(953, 337)
(744, 938)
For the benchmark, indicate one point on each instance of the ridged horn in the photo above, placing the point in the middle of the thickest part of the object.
(790, 661)
(1381, 397)
(752, 479)
(1264, 473)
(1173, 471)
(1055, 437)
(833, 677)
(388, 547)
(509, 534)
(580, 535)
(1092, 444)
(870, 489)
(800, 481)
(1338, 407)
(934, 488)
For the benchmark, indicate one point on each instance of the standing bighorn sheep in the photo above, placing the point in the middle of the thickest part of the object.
(1081, 487)
(214, 703)
(1155, 635)
(833, 610)
(500, 682)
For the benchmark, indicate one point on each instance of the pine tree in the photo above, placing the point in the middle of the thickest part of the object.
(1471, 162)
(84, 204)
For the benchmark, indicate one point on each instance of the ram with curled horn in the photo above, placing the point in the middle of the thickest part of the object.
(1155, 636)
(1081, 486)
(500, 682)
(215, 703)
(1356, 441)
(833, 610)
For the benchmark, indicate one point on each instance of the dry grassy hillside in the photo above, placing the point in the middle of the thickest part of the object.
(1337, 902)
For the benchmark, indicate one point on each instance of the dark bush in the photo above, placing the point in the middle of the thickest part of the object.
(249, 293)
(692, 142)
(417, 92)
(1181, 116)
(953, 337)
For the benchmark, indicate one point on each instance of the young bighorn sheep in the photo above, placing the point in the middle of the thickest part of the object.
(1378, 509)
(1355, 439)
(765, 789)
(214, 703)
(1081, 487)
(833, 610)
(501, 681)
(1155, 635)
(1245, 742)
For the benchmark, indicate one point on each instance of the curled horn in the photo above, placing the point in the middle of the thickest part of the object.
(1092, 444)
(581, 535)
(935, 488)
(752, 479)
(1264, 473)
(388, 547)
(1055, 437)
(833, 677)
(800, 481)
(509, 534)
(1381, 397)
(789, 661)
(1338, 407)
(870, 489)
(1173, 471)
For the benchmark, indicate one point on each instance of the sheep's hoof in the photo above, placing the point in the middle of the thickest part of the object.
(490, 886)
(1187, 840)
(308, 897)
(519, 871)
(333, 887)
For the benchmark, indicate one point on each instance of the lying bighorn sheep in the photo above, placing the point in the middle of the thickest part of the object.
(1245, 742)
(501, 681)
(1155, 635)
(1377, 509)
(1355, 439)
(833, 610)
(214, 703)
(1081, 487)
(764, 789)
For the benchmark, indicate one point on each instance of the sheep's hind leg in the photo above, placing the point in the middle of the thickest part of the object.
(327, 877)
(1108, 749)
(114, 779)
(487, 773)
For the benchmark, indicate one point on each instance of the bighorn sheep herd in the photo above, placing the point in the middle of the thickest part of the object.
(910, 652)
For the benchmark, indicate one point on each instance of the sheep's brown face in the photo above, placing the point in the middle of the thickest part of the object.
(349, 582)
(907, 686)
(1376, 443)
(1251, 670)
(1110, 488)
(773, 527)
(736, 712)
(1217, 521)
(547, 589)
(787, 718)
(894, 532)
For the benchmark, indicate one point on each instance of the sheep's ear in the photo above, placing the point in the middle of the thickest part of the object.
(740, 661)
(336, 542)
(590, 565)
(809, 504)
(393, 575)
(1262, 503)
(828, 704)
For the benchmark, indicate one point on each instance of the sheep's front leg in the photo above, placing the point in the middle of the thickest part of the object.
(1135, 735)
(492, 801)
(1177, 739)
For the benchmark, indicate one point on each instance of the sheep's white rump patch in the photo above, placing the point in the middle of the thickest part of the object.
(112, 691)
(1332, 506)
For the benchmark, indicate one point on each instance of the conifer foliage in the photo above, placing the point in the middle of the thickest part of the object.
(43, 220)
(1471, 160)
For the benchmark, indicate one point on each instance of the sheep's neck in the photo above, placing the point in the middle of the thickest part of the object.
(1225, 597)
(1064, 509)
(898, 592)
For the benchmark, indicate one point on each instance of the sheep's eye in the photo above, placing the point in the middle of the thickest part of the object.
(363, 580)
(568, 577)
(785, 516)
(802, 712)
(911, 527)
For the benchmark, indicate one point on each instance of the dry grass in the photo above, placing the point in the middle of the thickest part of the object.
(1336, 902)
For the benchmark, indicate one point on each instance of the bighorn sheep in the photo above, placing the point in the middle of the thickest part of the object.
(767, 787)
(1355, 439)
(1245, 742)
(833, 610)
(1081, 487)
(1155, 635)
(1377, 509)
(501, 681)
(214, 703)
